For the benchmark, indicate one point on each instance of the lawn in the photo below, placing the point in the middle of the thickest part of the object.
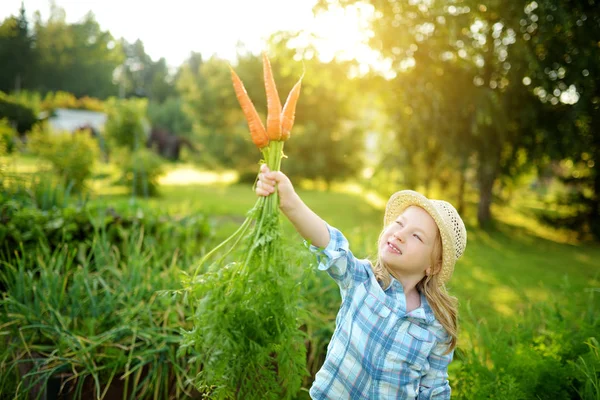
(503, 270)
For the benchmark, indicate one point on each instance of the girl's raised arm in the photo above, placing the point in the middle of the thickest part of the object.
(308, 224)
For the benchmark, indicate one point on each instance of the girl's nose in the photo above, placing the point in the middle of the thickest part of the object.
(398, 235)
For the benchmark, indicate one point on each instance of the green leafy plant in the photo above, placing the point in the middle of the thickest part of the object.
(72, 156)
(551, 355)
(140, 171)
(8, 137)
(246, 321)
(92, 322)
(125, 126)
(588, 368)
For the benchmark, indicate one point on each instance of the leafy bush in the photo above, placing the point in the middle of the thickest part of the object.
(68, 100)
(72, 156)
(125, 126)
(169, 115)
(24, 228)
(141, 170)
(42, 191)
(21, 115)
(8, 137)
(552, 353)
(587, 368)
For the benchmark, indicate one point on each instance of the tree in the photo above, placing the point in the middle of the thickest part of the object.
(456, 62)
(140, 76)
(209, 101)
(16, 49)
(564, 37)
(79, 58)
(169, 115)
(327, 141)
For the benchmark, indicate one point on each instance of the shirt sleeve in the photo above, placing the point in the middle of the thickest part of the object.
(337, 259)
(434, 384)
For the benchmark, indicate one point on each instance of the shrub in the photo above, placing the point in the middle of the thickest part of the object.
(125, 124)
(169, 115)
(8, 137)
(141, 170)
(17, 113)
(72, 156)
(550, 353)
(68, 100)
(23, 228)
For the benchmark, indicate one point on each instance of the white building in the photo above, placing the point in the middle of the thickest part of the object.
(64, 119)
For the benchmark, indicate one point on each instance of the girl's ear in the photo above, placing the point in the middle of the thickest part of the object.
(436, 269)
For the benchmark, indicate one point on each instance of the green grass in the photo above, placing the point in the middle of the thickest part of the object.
(497, 269)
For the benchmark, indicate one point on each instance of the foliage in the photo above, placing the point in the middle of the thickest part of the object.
(139, 76)
(62, 99)
(94, 323)
(328, 140)
(72, 155)
(587, 368)
(140, 171)
(205, 86)
(564, 43)
(550, 356)
(169, 115)
(125, 126)
(457, 98)
(78, 58)
(246, 322)
(16, 48)
(41, 191)
(25, 227)
(8, 137)
(17, 113)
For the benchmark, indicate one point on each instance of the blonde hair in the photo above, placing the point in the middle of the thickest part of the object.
(444, 305)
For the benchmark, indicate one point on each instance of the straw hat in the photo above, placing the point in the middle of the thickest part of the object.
(452, 229)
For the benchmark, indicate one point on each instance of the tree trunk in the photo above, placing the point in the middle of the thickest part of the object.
(18, 83)
(486, 177)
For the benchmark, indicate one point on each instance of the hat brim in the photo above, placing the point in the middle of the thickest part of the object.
(400, 201)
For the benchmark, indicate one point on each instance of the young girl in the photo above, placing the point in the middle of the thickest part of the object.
(397, 326)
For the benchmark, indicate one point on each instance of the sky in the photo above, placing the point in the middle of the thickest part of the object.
(174, 28)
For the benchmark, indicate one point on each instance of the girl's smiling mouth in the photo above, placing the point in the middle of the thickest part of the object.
(393, 248)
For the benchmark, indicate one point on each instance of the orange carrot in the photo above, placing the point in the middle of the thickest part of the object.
(289, 110)
(257, 129)
(273, 102)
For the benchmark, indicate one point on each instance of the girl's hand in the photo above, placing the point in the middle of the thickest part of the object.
(310, 226)
(269, 181)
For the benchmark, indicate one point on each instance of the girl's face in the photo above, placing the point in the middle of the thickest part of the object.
(407, 244)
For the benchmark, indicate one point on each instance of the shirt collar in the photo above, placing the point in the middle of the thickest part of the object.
(424, 312)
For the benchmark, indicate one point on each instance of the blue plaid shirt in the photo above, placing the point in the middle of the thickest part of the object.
(378, 350)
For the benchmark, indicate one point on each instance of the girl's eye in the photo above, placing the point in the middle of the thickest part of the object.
(399, 223)
(418, 237)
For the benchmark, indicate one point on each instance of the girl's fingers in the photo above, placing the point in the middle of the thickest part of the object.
(262, 192)
(266, 179)
(265, 187)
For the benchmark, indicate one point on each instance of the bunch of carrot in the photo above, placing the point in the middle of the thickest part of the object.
(246, 335)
